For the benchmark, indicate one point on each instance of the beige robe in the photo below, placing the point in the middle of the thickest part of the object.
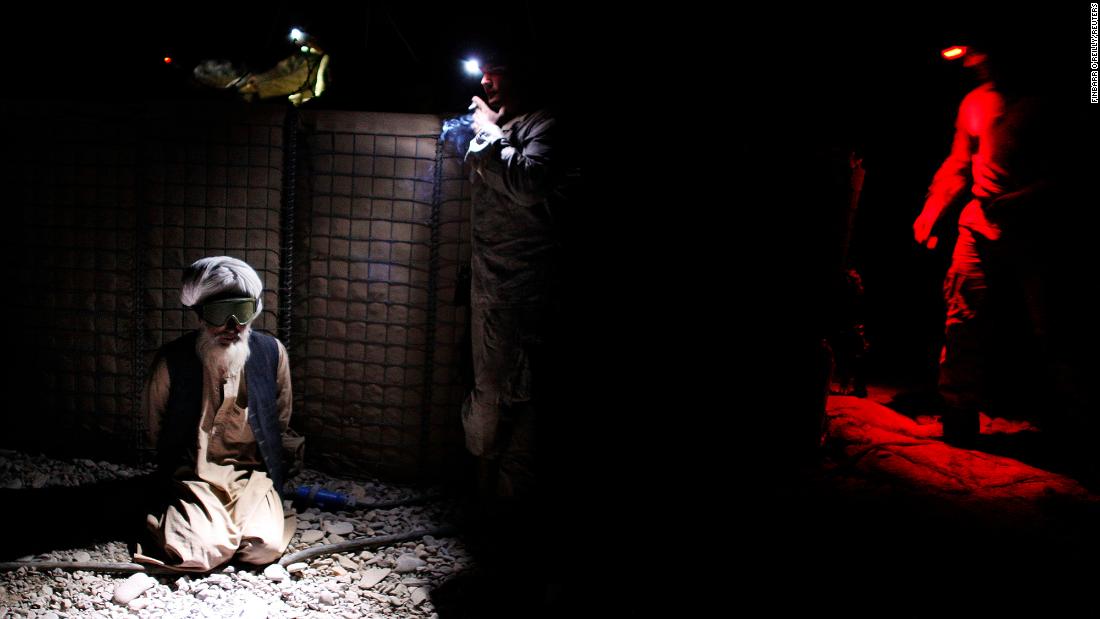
(225, 506)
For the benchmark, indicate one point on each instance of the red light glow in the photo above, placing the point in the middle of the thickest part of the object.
(952, 53)
(167, 60)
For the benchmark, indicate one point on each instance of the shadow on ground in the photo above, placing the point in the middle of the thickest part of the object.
(39, 520)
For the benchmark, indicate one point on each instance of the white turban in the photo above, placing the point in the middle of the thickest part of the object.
(220, 276)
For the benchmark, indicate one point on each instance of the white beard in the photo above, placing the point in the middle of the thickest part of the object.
(223, 361)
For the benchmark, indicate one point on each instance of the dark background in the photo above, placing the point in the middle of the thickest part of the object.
(805, 87)
(664, 96)
(783, 88)
(385, 56)
(813, 84)
(711, 263)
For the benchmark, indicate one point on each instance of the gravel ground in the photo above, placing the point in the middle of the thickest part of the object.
(391, 581)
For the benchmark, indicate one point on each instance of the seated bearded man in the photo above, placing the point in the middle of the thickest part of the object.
(217, 405)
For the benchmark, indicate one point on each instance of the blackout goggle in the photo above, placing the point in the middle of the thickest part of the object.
(217, 313)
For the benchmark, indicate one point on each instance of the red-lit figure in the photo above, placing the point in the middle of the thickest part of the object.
(998, 169)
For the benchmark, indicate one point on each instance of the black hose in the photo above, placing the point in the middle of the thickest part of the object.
(365, 542)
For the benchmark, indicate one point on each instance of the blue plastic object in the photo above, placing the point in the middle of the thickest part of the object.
(323, 498)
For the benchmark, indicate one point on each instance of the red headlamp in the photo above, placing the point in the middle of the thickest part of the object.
(954, 53)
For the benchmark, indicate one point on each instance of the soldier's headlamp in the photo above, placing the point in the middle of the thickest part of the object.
(954, 53)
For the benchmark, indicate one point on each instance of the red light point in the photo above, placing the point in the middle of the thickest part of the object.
(952, 53)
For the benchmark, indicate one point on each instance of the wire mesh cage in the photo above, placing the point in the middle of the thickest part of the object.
(356, 222)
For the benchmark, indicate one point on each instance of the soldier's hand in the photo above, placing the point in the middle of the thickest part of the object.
(922, 227)
(484, 115)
